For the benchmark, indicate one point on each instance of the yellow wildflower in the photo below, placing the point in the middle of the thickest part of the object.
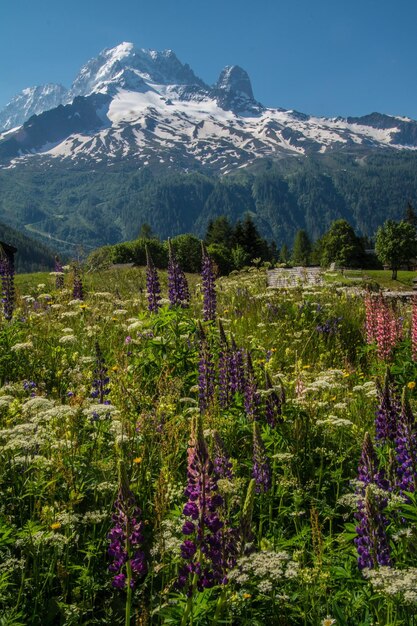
(411, 384)
(55, 526)
(137, 460)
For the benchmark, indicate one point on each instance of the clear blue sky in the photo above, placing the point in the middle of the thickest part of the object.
(324, 57)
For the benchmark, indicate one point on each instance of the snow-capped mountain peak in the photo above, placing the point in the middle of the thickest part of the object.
(129, 67)
(31, 101)
(149, 107)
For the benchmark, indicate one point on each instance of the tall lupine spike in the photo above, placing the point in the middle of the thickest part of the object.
(206, 373)
(274, 402)
(209, 549)
(126, 537)
(388, 412)
(368, 467)
(372, 542)
(222, 464)
(406, 447)
(414, 329)
(178, 291)
(388, 328)
(77, 285)
(153, 289)
(209, 286)
(59, 274)
(7, 281)
(261, 470)
(101, 380)
(251, 394)
(246, 516)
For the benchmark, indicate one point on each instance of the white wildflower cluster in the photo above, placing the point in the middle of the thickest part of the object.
(66, 314)
(283, 457)
(100, 412)
(19, 347)
(404, 533)
(349, 500)
(329, 380)
(117, 431)
(95, 517)
(102, 295)
(7, 566)
(106, 487)
(174, 492)
(266, 569)
(391, 582)
(333, 421)
(134, 325)
(170, 538)
(67, 518)
(33, 406)
(67, 339)
(5, 402)
(368, 389)
(44, 538)
(23, 438)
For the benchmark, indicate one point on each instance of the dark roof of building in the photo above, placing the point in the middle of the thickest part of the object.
(8, 249)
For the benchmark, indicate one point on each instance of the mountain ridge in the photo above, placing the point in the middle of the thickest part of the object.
(143, 139)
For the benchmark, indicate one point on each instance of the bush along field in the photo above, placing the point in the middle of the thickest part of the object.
(185, 450)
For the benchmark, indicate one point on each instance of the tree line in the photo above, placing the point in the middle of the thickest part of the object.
(234, 246)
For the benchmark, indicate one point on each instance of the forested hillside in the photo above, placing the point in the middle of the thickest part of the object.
(73, 207)
(31, 255)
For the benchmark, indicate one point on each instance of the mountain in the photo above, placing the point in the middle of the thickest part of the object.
(31, 256)
(31, 101)
(139, 137)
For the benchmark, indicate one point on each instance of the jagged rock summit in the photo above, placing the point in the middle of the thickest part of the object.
(233, 79)
(234, 90)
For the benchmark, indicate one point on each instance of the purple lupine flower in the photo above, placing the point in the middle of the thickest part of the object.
(59, 271)
(30, 385)
(153, 288)
(206, 373)
(236, 369)
(77, 285)
(252, 398)
(368, 467)
(7, 282)
(261, 470)
(371, 541)
(178, 291)
(274, 402)
(126, 539)
(222, 464)
(388, 413)
(101, 380)
(208, 276)
(406, 448)
(209, 550)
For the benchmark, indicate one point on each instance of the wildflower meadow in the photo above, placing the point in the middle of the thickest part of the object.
(185, 449)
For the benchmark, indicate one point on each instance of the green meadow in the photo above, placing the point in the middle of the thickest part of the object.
(140, 485)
